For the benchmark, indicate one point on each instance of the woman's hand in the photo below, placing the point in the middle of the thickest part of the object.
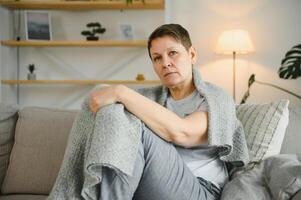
(103, 96)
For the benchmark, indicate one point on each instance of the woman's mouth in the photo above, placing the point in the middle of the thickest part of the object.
(169, 74)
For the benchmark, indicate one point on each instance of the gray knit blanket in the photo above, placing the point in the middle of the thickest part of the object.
(111, 139)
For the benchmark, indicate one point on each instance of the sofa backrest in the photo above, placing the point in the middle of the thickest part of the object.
(292, 139)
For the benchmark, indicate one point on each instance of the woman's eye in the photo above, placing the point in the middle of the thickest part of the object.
(155, 59)
(172, 53)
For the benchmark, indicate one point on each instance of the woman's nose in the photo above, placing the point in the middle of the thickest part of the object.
(166, 62)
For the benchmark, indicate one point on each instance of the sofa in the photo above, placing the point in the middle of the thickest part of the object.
(33, 142)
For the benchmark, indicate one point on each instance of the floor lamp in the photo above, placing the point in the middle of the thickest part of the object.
(234, 42)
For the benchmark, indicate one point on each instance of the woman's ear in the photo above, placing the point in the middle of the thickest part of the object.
(193, 55)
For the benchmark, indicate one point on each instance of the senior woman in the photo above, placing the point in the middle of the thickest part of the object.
(185, 153)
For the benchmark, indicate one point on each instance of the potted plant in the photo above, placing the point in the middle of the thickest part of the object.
(290, 69)
(96, 29)
(31, 75)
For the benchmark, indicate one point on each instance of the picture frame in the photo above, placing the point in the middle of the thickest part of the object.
(126, 32)
(37, 25)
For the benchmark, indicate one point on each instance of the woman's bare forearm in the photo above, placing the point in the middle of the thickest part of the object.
(162, 121)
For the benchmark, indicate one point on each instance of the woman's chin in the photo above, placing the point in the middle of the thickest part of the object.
(170, 83)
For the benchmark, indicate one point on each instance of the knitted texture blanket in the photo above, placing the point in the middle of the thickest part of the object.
(111, 139)
(108, 139)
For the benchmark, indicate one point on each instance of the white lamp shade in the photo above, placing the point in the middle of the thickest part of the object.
(237, 41)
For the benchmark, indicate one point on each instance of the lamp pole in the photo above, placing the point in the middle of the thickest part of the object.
(234, 55)
(234, 42)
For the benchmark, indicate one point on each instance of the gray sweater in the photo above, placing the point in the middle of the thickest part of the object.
(225, 131)
(111, 139)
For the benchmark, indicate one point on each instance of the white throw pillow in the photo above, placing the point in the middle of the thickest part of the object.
(264, 126)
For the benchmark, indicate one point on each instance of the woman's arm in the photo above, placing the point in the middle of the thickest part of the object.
(189, 131)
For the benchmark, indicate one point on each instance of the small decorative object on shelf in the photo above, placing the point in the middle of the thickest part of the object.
(127, 32)
(31, 75)
(126, 1)
(96, 28)
(131, 1)
(140, 77)
(37, 25)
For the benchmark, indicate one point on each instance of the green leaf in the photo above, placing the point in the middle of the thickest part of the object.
(245, 97)
(100, 30)
(291, 64)
(251, 80)
(86, 33)
(31, 68)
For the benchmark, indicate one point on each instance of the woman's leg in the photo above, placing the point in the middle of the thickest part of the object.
(114, 187)
(165, 175)
(159, 174)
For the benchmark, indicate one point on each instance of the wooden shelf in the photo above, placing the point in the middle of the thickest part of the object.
(82, 82)
(81, 5)
(99, 43)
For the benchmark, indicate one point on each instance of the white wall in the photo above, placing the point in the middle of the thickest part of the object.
(1, 25)
(82, 63)
(8, 57)
(274, 26)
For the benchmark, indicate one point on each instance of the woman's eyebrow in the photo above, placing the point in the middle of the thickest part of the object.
(155, 54)
(168, 49)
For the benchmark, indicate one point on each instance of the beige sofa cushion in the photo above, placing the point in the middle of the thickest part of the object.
(40, 141)
(23, 197)
(8, 118)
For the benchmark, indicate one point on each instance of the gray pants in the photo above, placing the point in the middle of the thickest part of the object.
(159, 174)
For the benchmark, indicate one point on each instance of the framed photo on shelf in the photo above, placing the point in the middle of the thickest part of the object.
(37, 25)
(126, 32)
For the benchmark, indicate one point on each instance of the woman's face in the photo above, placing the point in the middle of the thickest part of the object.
(171, 61)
